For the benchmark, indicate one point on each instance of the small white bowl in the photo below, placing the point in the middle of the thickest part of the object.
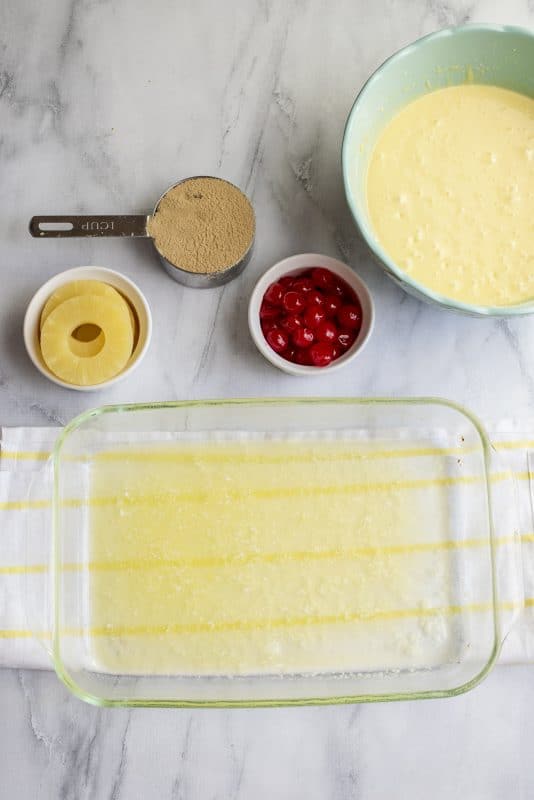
(124, 285)
(293, 266)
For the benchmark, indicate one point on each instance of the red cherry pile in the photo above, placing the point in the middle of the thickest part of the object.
(311, 318)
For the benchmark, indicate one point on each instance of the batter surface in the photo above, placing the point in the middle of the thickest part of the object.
(450, 193)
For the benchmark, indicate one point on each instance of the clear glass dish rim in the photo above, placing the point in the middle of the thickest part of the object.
(387, 264)
(97, 700)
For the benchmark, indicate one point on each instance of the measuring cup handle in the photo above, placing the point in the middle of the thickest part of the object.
(105, 225)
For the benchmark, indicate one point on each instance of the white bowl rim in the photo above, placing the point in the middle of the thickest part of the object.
(106, 275)
(295, 264)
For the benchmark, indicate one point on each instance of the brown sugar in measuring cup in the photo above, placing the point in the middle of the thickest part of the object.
(202, 229)
(202, 224)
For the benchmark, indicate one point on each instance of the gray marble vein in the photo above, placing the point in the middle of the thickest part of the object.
(102, 106)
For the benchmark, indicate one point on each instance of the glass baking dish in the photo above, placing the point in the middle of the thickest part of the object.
(273, 552)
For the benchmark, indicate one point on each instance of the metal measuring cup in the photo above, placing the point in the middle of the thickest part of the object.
(136, 225)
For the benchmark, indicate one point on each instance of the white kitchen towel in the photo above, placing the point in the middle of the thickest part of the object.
(25, 529)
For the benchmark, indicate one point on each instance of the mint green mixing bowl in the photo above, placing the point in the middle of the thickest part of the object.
(501, 56)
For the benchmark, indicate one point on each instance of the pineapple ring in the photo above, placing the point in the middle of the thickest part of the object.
(111, 315)
(74, 289)
(85, 343)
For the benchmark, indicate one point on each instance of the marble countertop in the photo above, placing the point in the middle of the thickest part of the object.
(102, 106)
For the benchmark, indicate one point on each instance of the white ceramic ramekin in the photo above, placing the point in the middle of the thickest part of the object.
(120, 282)
(293, 266)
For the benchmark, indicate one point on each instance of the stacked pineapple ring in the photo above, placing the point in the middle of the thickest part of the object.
(88, 332)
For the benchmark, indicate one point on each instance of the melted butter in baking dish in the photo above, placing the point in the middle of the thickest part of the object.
(450, 193)
(272, 557)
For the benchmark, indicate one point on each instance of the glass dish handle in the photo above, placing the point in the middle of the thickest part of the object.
(514, 553)
(527, 561)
